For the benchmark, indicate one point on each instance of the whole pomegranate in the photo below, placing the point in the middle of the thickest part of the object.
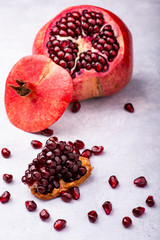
(93, 45)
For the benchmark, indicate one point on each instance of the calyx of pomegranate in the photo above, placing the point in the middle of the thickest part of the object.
(22, 89)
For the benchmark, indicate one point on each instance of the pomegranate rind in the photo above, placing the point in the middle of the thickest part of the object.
(51, 92)
(64, 186)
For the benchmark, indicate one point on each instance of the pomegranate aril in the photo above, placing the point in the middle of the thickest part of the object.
(36, 175)
(92, 216)
(75, 107)
(5, 197)
(41, 189)
(44, 214)
(140, 181)
(82, 171)
(66, 196)
(150, 201)
(138, 211)
(47, 132)
(97, 150)
(127, 222)
(5, 152)
(75, 193)
(107, 206)
(7, 178)
(79, 144)
(36, 144)
(129, 107)
(31, 206)
(113, 181)
(60, 224)
(86, 153)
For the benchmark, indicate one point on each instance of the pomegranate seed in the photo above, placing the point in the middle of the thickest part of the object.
(44, 215)
(47, 132)
(129, 107)
(97, 150)
(107, 206)
(4, 198)
(127, 222)
(31, 206)
(5, 152)
(92, 216)
(79, 144)
(7, 178)
(138, 211)
(36, 144)
(86, 153)
(140, 181)
(113, 181)
(60, 224)
(75, 107)
(75, 193)
(150, 201)
(66, 196)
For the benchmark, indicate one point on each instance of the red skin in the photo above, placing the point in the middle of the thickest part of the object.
(51, 92)
(91, 83)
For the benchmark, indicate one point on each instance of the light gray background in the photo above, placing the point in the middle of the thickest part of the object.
(131, 141)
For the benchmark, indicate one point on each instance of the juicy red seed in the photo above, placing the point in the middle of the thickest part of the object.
(75, 193)
(97, 150)
(113, 181)
(82, 171)
(150, 201)
(66, 196)
(31, 206)
(86, 153)
(7, 178)
(79, 144)
(4, 198)
(5, 152)
(140, 181)
(107, 206)
(92, 216)
(129, 107)
(44, 215)
(60, 224)
(47, 132)
(54, 139)
(127, 222)
(75, 107)
(36, 144)
(138, 211)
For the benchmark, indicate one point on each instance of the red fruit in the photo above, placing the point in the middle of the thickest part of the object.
(79, 144)
(47, 132)
(93, 45)
(107, 206)
(92, 216)
(150, 201)
(129, 107)
(127, 222)
(75, 193)
(75, 107)
(37, 93)
(7, 178)
(31, 206)
(138, 211)
(140, 181)
(113, 181)
(5, 152)
(36, 144)
(66, 196)
(97, 150)
(86, 153)
(4, 198)
(44, 215)
(60, 224)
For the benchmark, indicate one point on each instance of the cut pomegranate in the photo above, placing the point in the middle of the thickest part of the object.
(5, 152)
(47, 132)
(86, 153)
(93, 45)
(97, 150)
(129, 107)
(107, 206)
(31, 206)
(79, 144)
(92, 216)
(150, 201)
(75, 107)
(60, 224)
(5, 197)
(113, 181)
(37, 93)
(7, 178)
(127, 222)
(140, 181)
(138, 211)
(66, 196)
(44, 214)
(75, 193)
(36, 144)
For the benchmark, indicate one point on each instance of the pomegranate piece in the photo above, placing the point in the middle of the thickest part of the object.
(66, 196)
(36, 144)
(97, 150)
(37, 85)
(7, 178)
(92, 216)
(47, 132)
(4, 198)
(140, 181)
(150, 201)
(75, 107)
(127, 222)
(93, 45)
(44, 215)
(129, 107)
(75, 193)
(79, 144)
(113, 181)
(31, 206)
(86, 153)
(5, 152)
(107, 206)
(138, 211)
(60, 224)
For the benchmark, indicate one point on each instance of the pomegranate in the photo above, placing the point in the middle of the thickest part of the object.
(92, 216)
(140, 182)
(7, 177)
(107, 206)
(129, 107)
(60, 224)
(93, 45)
(44, 214)
(31, 206)
(138, 211)
(47, 132)
(5, 152)
(127, 222)
(5, 197)
(75, 193)
(113, 181)
(150, 201)
(75, 107)
(36, 144)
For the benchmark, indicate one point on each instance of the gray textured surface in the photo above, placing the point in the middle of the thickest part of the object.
(131, 141)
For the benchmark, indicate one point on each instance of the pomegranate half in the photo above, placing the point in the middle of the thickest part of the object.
(93, 45)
